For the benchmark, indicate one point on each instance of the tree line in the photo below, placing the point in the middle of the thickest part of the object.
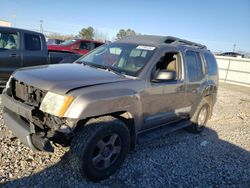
(91, 33)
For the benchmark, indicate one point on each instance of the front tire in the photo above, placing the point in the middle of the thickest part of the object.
(99, 148)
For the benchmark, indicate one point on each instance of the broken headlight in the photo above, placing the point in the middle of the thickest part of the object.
(56, 104)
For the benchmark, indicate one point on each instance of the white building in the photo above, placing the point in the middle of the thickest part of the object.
(5, 23)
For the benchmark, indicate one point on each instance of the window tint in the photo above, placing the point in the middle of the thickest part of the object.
(8, 40)
(212, 67)
(85, 46)
(201, 70)
(32, 42)
(194, 66)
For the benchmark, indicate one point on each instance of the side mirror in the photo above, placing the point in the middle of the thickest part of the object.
(165, 75)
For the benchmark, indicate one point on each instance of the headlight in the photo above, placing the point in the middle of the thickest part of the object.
(56, 104)
(8, 83)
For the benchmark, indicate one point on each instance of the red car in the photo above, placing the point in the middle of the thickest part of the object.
(78, 46)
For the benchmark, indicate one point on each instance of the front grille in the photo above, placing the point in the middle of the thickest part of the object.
(27, 94)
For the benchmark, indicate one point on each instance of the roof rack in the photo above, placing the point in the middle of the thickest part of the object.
(174, 40)
(159, 40)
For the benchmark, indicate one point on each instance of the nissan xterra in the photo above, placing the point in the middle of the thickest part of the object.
(102, 103)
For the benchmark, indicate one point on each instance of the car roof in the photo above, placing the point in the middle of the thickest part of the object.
(236, 53)
(88, 40)
(18, 30)
(160, 41)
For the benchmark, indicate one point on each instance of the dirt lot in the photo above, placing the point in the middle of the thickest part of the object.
(219, 157)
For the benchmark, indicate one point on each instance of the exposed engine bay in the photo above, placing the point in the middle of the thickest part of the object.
(43, 126)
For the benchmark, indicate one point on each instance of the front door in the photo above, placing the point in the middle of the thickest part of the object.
(164, 101)
(10, 54)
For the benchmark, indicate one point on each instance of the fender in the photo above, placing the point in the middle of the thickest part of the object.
(98, 103)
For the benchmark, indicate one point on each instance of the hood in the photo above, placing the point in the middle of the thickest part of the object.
(65, 77)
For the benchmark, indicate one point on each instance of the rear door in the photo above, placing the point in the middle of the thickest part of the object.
(10, 53)
(196, 78)
(35, 50)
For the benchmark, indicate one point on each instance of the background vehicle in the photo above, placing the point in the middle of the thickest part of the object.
(231, 54)
(78, 46)
(22, 48)
(118, 92)
(54, 41)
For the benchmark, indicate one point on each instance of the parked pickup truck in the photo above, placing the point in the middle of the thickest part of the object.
(102, 104)
(22, 48)
(77, 46)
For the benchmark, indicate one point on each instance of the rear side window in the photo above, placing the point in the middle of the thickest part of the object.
(32, 42)
(194, 66)
(212, 66)
(85, 45)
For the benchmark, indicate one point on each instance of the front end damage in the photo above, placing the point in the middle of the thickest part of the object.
(35, 128)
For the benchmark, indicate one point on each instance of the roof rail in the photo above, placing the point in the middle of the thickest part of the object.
(174, 40)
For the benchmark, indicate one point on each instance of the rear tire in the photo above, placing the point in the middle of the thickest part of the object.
(200, 117)
(99, 148)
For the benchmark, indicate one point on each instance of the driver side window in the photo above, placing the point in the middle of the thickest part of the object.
(8, 40)
(169, 62)
(85, 46)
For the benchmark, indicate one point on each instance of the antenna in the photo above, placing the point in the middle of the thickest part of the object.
(14, 18)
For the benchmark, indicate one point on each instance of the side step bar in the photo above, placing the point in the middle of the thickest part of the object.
(148, 136)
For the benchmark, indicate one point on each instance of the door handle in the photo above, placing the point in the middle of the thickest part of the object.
(13, 55)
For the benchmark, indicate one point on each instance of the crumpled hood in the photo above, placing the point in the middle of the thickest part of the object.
(64, 77)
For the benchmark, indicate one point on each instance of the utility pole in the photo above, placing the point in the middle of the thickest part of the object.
(41, 26)
(14, 20)
(234, 47)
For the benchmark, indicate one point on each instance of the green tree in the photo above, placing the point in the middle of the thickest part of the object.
(60, 36)
(87, 33)
(124, 33)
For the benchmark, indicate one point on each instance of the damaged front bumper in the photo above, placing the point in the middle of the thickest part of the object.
(19, 128)
(12, 112)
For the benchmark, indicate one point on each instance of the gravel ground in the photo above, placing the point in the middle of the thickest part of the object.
(219, 157)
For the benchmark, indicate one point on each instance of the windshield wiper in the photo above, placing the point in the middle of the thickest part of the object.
(94, 65)
(102, 67)
(115, 71)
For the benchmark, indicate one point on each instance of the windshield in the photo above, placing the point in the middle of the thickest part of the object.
(126, 59)
(54, 41)
(68, 42)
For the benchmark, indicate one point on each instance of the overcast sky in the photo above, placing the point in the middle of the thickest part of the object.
(219, 24)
